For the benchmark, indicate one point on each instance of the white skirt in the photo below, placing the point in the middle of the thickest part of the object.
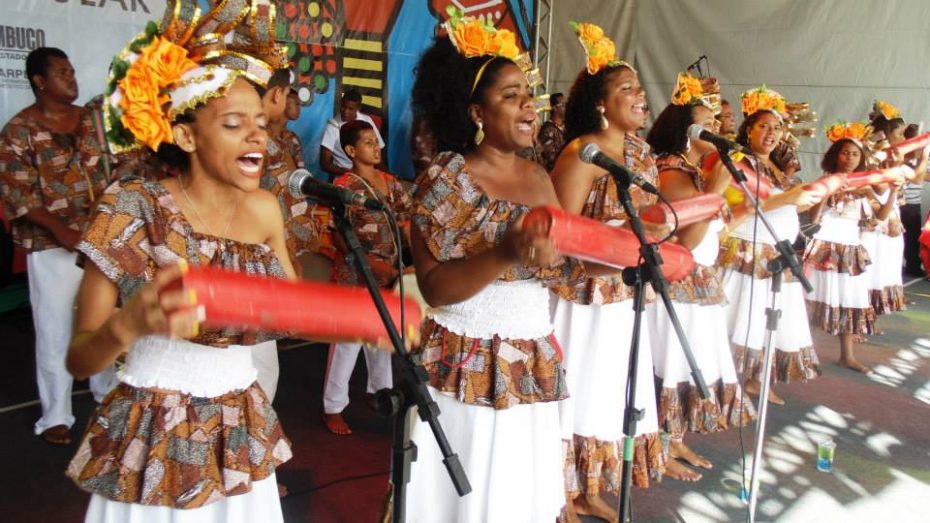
(887, 254)
(793, 331)
(512, 457)
(891, 260)
(706, 329)
(595, 340)
(839, 289)
(262, 503)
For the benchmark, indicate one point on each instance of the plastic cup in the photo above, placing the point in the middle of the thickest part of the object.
(825, 452)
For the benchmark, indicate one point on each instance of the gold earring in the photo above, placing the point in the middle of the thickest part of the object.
(479, 136)
(604, 123)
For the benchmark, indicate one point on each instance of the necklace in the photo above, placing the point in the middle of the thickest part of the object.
(199, 217)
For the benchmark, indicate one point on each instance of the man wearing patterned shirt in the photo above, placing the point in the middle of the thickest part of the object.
(51, 171)
(552, 134)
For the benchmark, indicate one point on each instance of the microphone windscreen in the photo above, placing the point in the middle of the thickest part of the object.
(296, 180)
(694, 131)
(589, 152)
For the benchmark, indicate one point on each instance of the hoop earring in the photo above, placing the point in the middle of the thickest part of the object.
(479, 136)
(604, 123)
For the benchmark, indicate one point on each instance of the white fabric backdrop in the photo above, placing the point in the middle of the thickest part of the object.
(839, 55)
(91, 32)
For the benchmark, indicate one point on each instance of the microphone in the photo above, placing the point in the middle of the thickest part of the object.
(302, 184)
(591, 153)
(696, 132)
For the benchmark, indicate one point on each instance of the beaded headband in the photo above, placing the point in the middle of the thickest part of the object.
(183, 62)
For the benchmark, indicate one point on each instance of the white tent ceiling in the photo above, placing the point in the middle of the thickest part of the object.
(839, 55)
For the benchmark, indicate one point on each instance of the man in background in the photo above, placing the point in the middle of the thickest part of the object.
(333, 158)
(552, 133)
(52, 168)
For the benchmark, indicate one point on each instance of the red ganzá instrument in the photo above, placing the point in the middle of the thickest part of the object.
(827, 185)
(913, 144)
(753, 182)
(590, 240)
(689, 210)
(832, 183)
(861, 179)
(315, 310)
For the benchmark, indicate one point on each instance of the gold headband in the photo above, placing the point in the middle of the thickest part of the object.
(478, 76)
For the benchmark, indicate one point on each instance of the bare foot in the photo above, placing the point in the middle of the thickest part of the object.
(855, 365)
(679, 471)
(57, 435)
(593, 505)
(335, 424)
(568, 514)
(682, 451)
(753, 387)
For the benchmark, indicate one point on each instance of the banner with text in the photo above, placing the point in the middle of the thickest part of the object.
(89, 31)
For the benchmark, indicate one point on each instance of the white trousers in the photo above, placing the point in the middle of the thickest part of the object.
(342, 358)
(265, 360)
(53, 284)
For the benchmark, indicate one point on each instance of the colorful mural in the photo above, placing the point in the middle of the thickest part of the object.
(373, 47)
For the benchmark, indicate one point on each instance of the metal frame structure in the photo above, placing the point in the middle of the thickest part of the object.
(542, 36)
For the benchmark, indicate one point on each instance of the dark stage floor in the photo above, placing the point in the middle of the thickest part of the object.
(881, 424)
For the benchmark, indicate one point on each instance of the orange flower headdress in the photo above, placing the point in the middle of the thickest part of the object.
(598, 48)
(478, 37)
(186, 60)
(857, 131)
(886, 109)
(762, 99)
(690, 90)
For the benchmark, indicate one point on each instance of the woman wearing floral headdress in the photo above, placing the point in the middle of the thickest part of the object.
(883, 235)
(188, 435)
(835, 261)
(698, 298)
(495, 370)
(747, 249)
(594, 318)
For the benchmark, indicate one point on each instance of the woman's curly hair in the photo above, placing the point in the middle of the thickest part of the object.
(828, 164)
(669, 133)
(589, 90)
(442, 93)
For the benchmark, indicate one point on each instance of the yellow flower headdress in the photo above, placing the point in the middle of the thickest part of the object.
(690, 90)
(186, 60)
(888, 111)
(857, 131)
(478, 37)
(762, 99)
(598, 48)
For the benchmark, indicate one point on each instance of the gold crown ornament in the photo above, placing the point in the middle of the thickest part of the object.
(183, 62)
(800, 119)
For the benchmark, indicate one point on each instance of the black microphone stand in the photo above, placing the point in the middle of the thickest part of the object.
(649, 271)
(786, 259)
(411, 391)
